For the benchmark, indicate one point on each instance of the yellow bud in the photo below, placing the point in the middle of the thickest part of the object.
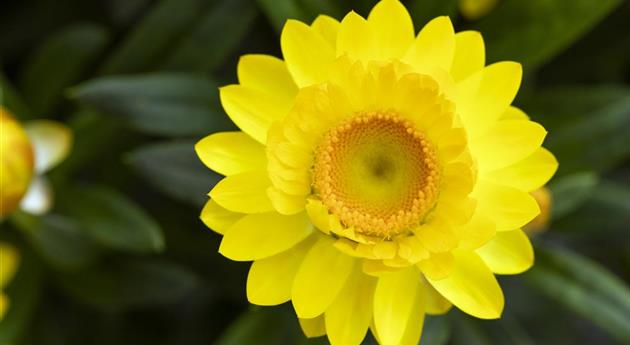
(475, 9)
(16, 162)
(544, 200)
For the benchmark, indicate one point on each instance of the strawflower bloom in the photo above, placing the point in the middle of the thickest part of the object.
(26, 154)
(379, 175)
(9, 259)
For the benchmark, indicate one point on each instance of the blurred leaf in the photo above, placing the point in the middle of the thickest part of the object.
(278, 11)
(422, 11)
(259, 326)
(570, 192)
(533, 31)
(10, 99)
(436, 331)
(24, 293)
(59, 63)
(584, 287)
(562, 106)
(112, 219)
(588, 127)
(606, 210)
(467, 331)
(154, 36)
(215, 37)
(174, 168)
(96, 137)
(163, 104)
(59, 240)
(130, 284)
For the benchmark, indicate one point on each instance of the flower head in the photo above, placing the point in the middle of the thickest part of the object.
(26, 154)
(379, 175)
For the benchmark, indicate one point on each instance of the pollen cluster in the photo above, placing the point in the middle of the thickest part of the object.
(377, 173)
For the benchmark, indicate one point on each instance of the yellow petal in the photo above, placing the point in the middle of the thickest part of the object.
(270, 280)
(477, 232)
(315, 327)
(506, 143)
(437, 236)
(318, 214)
(38, 200)
(472, 287)
(307, 54)
(230, 153)
(316, 284)
(434, 47)
(470, 54)
(509, 208)
(327, 27)
(399, 302)
(258, 236)
(268, 74)
(529, 174)
(510, 252)
(244, 192)
(436, 304)
(438, 266)
(514, 113)
(356, 38)
(285, 203)
(349, 316)
(9, 260)
(51, 142)
(217, 218)
(392, 27)
(497, 86)
(252, 110)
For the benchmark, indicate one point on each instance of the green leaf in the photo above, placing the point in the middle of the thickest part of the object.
(175, 169)
(154, 36)
(588, 127)
(112, 219)
(259, 326)
(584, 287)
(10, 99)
(561, 106)
(59, 63)
(423, 11)
(467, 331)
(59, 240)
(215, 37)
(278, 11)
(436, 331)
(534, 31)
(162, 104)
(24, 294)
(130, 284)
(570, 192)
(604, 212)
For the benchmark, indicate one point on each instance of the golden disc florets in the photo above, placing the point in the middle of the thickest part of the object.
(377, 173)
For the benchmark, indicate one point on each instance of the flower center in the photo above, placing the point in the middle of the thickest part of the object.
(377, 173)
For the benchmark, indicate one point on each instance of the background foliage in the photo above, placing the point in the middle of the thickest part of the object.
(123, 258)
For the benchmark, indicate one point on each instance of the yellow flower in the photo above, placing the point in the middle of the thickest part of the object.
(9, 259)
(26, 153)
(475, 9)
(379, 176)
